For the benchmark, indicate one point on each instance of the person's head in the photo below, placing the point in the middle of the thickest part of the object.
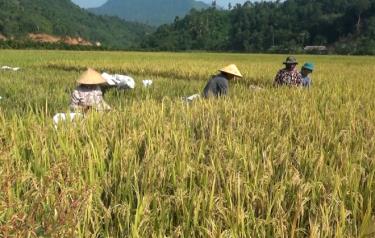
(307, 69)
(91, 79)
(231, 72)
(230, 77)
(290, 63)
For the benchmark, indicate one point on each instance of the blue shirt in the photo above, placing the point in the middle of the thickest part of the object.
(306, 82)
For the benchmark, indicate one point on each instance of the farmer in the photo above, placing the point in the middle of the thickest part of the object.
(306, 70)
(218, 85)
(88, 95)
(289, 75)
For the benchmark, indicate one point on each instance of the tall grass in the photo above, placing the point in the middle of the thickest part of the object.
(271, 163)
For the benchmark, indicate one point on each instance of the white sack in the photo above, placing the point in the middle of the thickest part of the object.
(10, 68)
(147, 83)
(63, 117)
(111, 80)
(191, 98)
(121, 81)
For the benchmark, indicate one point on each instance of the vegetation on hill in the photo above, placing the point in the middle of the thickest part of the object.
(155, 12)
(62, 17)
(344, 25)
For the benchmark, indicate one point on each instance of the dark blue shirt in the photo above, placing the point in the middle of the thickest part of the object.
(217, 86)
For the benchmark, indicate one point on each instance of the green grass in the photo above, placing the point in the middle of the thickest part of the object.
(271, 163)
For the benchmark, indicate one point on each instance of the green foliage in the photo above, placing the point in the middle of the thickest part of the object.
(278, 26)
(203, 30)
(27, 44)
(61, 17)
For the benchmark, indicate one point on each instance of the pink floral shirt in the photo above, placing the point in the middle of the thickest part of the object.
(289, 78)
(88, 97)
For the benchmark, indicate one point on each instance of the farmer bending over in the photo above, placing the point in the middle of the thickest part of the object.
(289, 75)
(88, 95)
(218, 85)
(306, 70)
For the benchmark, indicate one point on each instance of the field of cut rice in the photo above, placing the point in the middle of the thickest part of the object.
(277, 162)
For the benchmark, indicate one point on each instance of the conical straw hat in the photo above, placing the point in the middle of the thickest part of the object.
(231, 69)
(91, 77)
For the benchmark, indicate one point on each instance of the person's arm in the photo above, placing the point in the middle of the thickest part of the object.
(105, 106)
(207, 90)
(277, 80)
(76, 98)
(298, 79)
(100, 104)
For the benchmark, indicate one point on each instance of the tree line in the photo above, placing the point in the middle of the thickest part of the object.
(344, 26)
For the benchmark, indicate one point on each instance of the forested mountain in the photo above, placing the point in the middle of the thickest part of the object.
(63, 18)
(151, 12)
(346, 26)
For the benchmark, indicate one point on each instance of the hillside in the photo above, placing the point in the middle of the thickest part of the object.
(63, 18)
(152, 12)
(346, 27)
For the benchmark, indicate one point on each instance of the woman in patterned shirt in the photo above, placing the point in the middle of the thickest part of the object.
(289, 75)
(88, 95)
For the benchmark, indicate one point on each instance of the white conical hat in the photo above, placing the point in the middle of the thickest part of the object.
(91, 77)
(231, 69)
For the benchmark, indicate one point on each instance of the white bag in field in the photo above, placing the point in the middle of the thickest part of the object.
(63, 117)
(147, 83)
(111, 80)
(193, 97)
(10, 68)
(255, 88)
(125, 81)
(121, 81)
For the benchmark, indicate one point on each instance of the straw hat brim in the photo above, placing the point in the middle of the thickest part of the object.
(231, 69)
(91, 77)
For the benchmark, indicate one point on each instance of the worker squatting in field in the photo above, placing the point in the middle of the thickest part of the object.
(291, 77)
(218, 85)
(88, 95)
(306, 70)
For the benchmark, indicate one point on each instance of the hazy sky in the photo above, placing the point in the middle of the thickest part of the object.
(96, 3)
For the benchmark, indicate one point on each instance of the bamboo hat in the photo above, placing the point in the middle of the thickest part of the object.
(91, 77)
(231, 69)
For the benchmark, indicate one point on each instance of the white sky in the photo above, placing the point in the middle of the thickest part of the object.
(97, 3)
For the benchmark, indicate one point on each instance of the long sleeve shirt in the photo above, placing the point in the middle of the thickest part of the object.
(289, 78)
(84, 97)
(217, 86)
(306, 82)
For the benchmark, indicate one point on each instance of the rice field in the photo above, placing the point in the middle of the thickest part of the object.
(278, 162)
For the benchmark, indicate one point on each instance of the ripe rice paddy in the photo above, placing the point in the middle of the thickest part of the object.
(279, 162)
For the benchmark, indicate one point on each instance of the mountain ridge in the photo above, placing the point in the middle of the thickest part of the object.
(18, 18)
(156, 12)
